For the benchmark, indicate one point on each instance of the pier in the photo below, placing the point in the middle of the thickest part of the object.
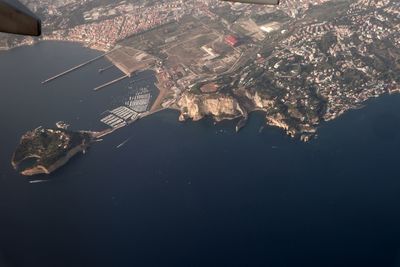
(110, 83)
(76, 67)
(106, 68)
(101, 134)
(149, 113)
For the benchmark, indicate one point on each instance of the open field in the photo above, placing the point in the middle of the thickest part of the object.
(130, 60)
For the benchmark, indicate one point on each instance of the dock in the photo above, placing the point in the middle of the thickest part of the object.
(119, 117)
(110, 83)
(76, 67)
(106, 68)
(140, 101)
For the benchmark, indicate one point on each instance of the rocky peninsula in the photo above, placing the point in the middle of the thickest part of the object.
(43, 151)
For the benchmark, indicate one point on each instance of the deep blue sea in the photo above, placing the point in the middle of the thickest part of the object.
(192, 194)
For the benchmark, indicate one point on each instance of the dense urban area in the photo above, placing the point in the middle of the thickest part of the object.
(302, 63)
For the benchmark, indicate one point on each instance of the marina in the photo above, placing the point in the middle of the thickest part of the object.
(113, 121)
(125, 113)
(135, 107)
(140, 101)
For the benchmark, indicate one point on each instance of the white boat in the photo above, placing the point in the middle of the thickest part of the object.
(38, 181)
(123, 143)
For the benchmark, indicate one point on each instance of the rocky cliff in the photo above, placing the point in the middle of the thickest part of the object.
(219, 106)
(230, 106)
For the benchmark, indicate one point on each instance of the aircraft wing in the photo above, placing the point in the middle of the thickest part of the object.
(260, 2)
(16, 18)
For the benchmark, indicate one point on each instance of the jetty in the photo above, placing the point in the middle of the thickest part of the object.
(77, 67)
(110, 83)
(106, 68)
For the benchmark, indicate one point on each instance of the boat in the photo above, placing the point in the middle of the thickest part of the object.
(38, 181)
(123, 143)
(62, 125)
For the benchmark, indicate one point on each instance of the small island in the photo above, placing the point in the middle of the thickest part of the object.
(42, 151)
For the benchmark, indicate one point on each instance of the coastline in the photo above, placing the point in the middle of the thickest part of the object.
(49, 149)
(40, 169)
(53, 40)
(305, 132)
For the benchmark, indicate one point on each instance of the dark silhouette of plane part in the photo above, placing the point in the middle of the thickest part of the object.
(260, 2)
(16, 18)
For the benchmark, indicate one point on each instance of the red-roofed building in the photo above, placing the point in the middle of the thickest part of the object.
(231, 40)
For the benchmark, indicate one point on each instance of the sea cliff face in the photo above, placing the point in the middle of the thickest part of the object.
(230, 106)
(40, 169)
(219, 106)
(260, 102)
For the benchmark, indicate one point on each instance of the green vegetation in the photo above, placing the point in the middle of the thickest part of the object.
(48, 146)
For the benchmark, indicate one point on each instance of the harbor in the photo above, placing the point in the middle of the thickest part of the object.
(78, 66)
(135, 107)
(127, 60)
(138, 101)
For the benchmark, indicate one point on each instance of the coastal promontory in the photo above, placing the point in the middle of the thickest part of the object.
(42, 151)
